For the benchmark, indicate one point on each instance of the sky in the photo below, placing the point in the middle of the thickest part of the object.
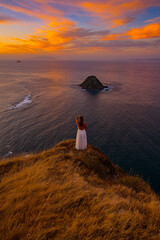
(80, 29)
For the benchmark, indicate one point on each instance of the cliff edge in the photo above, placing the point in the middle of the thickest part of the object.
(67, 194)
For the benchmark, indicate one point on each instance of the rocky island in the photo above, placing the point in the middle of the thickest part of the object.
(67, 194)
(93, 83)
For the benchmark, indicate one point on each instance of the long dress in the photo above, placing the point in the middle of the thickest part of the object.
(81, 140)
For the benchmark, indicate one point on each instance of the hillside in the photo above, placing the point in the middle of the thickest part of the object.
(67, 194)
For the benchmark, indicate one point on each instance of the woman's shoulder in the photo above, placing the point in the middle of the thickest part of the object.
(84, 124)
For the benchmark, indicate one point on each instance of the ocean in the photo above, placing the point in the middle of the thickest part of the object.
(39, 101)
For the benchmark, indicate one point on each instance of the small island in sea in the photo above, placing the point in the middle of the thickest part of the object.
(93, 83)
(63, 193)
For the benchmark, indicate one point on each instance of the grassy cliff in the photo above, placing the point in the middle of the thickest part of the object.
(67, 194)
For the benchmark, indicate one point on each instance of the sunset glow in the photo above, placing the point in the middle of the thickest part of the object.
(80, 29)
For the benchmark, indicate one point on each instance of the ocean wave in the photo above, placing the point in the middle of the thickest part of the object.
(25, 101)
(108, 88)
(111, 87)
(8, 154)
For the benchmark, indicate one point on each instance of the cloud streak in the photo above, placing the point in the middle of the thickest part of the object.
(31, 8)
(85, 33)
(5, 19)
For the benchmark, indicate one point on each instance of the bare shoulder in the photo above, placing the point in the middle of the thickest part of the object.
(84, 124)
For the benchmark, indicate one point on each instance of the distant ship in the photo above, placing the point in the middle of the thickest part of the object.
(18, 61)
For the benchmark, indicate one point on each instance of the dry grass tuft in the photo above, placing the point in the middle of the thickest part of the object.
(67, 194)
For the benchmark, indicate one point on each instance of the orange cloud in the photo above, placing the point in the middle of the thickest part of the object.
(63, 35)
(61, 24)
(149, 31)
(49, 38)
(32, 45)
(115, 36)
(118, 12)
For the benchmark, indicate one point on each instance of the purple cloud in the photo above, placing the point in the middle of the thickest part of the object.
(83, 33)
(5, 19)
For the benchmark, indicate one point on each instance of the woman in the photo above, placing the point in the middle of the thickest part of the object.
(81, 138)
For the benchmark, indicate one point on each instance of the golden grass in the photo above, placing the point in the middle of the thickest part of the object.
(67, 194)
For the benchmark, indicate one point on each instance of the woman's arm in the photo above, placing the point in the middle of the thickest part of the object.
(79, 116)
(77, 119)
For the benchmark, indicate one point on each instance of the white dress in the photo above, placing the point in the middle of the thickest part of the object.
(81, 140)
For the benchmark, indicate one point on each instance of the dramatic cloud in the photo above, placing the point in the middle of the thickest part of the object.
(49, 39)
(67, 26)
(118, 12)
(149, 31)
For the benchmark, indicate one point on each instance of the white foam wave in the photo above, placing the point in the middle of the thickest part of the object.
(110, 87)
(25, 101)
(9, 154)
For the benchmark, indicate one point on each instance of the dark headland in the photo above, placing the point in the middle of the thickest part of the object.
(67, 194)
(93, 83)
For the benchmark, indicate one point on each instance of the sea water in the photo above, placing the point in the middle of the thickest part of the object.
(39, 101)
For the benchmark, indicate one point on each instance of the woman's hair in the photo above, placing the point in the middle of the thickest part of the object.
(80, 121)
